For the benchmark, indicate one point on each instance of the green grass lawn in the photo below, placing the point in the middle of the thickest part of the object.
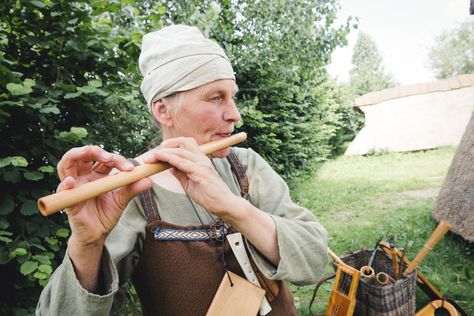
(362, 199)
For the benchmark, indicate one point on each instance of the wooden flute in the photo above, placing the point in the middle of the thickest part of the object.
(382, 278)
(53, 203)
(442, 228)
(367, 272)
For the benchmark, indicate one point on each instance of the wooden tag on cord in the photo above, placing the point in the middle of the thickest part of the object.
(242, 299)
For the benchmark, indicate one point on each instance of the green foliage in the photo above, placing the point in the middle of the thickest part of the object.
(279, 50)
(350, 120)
(69, 76)
(453, 53)
(287, 107)
(367, 73)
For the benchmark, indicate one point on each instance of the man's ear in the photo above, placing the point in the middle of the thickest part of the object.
(161, 112)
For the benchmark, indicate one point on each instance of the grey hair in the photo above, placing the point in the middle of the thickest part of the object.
(175, 101)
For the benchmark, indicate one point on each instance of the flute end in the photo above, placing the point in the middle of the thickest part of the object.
(241, 136)
(42, 207)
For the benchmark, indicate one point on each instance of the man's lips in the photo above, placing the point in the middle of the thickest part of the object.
(224, 134)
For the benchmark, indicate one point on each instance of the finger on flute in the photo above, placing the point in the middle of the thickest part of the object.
(53, 203)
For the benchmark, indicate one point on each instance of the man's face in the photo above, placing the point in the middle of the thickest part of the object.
(207, 113)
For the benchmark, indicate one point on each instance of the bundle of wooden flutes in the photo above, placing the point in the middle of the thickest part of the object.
(382, 278)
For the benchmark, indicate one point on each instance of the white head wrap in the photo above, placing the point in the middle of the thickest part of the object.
(179, 58)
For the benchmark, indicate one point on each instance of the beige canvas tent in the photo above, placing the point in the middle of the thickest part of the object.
(415, 117)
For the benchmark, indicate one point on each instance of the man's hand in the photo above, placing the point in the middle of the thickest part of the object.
(92, 220)
(196, 174)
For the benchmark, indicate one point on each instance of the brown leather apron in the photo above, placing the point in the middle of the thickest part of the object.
(181, 267)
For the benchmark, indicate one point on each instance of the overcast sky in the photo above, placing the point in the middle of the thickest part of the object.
(404, 30)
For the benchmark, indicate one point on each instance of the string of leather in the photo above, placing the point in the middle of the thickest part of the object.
(221, 254)
(315, 291)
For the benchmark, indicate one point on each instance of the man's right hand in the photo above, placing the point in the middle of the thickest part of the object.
(92, 220)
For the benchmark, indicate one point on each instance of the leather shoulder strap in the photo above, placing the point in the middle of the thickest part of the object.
(149, 205)
(272, 287)
(147, 201)
(239, 172)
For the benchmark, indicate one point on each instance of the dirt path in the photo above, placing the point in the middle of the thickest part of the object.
(422, 194)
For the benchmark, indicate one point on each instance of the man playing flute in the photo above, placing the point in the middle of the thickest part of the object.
(167, 232)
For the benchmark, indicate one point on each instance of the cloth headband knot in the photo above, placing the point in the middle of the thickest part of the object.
(179, 58)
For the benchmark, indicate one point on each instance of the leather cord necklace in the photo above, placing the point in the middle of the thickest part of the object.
(221, 230)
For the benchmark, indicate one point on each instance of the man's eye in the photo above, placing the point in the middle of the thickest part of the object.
(216, 99)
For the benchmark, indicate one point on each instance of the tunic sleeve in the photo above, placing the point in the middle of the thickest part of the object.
(302, 240)
(64, 294)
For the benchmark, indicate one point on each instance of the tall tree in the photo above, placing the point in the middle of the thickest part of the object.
(368, 73)
(453, 53)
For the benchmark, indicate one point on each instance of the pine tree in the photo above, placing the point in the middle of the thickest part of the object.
(367, 73)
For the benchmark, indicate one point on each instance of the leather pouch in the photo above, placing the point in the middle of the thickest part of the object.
(240, 297)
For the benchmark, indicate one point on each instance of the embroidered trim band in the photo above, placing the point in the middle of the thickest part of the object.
(189, 235)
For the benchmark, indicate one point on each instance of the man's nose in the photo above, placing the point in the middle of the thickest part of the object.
(231, 113)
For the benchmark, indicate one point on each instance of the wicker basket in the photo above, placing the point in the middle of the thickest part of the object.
(396, 299)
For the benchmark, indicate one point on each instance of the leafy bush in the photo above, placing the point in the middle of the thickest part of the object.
(351, 120)
(69, 77)
(66, 80)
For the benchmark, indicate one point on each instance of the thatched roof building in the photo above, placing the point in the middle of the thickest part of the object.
(415, 117)
(455, 201)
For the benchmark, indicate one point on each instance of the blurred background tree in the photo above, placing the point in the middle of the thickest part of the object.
(453, 53)
(368, 72)
(69, 76)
